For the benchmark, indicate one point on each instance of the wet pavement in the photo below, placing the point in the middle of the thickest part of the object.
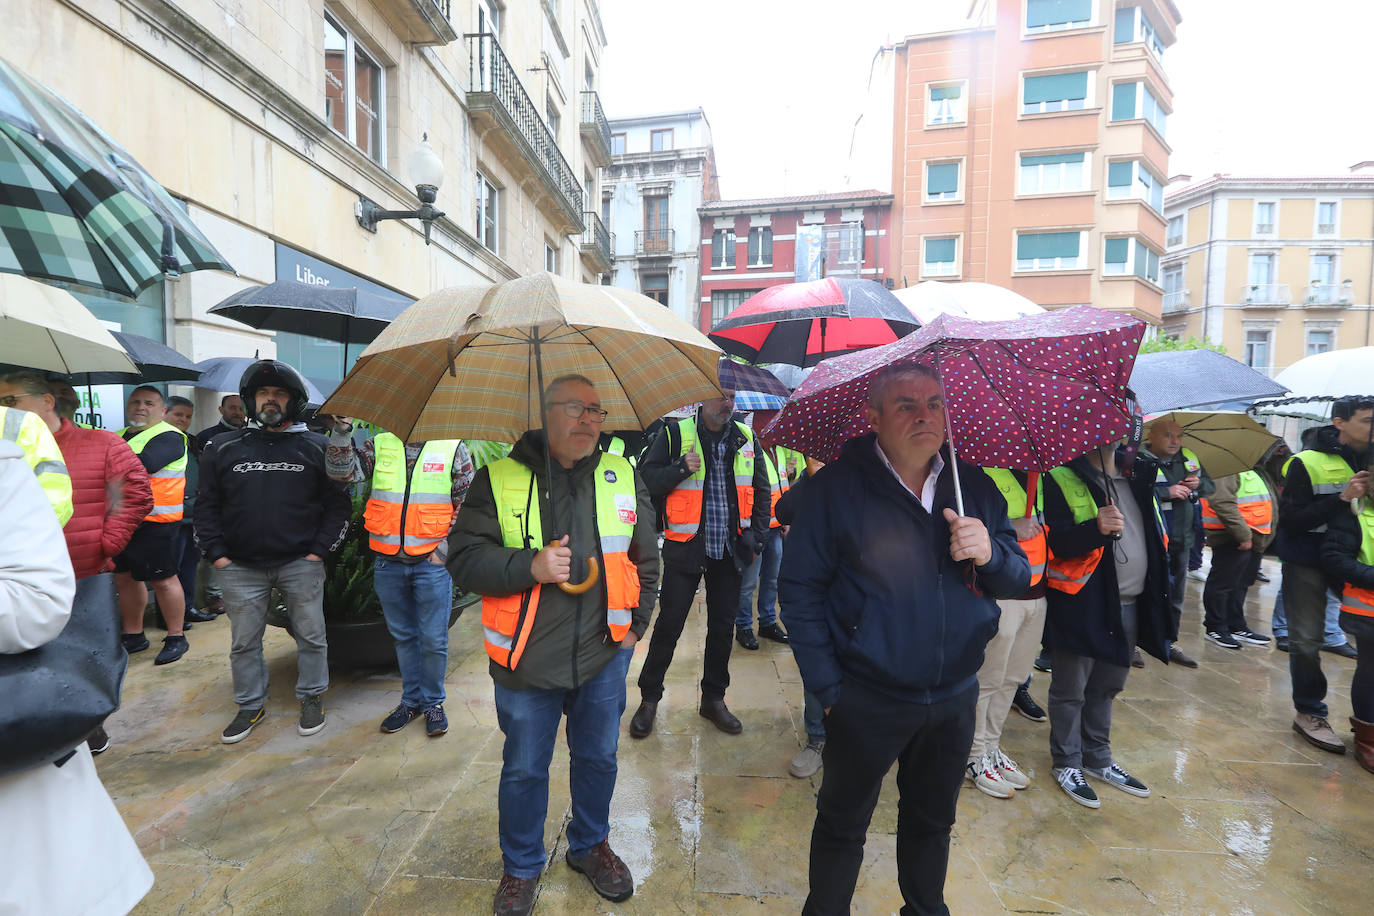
(1244, 818)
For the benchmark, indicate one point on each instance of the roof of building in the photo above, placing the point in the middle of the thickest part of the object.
(1224, 182)
(660, 116)
(799, 201)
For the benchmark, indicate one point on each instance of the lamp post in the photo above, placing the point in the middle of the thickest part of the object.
(427, 171)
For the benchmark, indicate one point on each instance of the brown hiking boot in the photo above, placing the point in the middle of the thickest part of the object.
(609, 876)
(1318, 732)
(514, 896)
(1364, 743)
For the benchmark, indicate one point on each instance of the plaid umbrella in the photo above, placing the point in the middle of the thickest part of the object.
(76, 207)
(43, 327)
(758, 400)
(737, 377)
(471, 361)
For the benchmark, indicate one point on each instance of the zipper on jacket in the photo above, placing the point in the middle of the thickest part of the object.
(405, 501)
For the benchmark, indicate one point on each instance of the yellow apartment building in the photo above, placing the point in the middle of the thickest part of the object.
(1275, 269)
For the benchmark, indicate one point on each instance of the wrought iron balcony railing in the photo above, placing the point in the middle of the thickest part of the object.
(595, 129)
(596, 241)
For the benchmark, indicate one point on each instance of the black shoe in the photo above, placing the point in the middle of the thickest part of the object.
(1344, 650)
(312, 717)
(745, 637)
(1281, 643)
(773, 632)
(195, 616)
(606, 871)
(1042, 662)
(514, 896)
(243, 723)
(1176, 657)
(720, 716)
(1251, 637)
(400, 717)
(642, 723)
(173, 648)
(436, 723)
(1026, 706)
(98, 741)
(1261, 577)
(134, 642)
(1223, 639)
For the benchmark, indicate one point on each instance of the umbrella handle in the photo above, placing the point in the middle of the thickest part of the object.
(593, 573)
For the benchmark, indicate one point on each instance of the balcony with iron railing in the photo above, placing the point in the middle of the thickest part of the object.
(1268, 294)
(596, 243)
(595, 130)
(421, 22)
(654, 243)
(504, 113)
(1178, 300)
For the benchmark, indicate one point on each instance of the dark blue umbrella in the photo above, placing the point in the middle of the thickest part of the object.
(223, 373)
(1177, 379)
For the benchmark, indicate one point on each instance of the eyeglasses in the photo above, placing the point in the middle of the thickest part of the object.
(576, 409)
(12, 400)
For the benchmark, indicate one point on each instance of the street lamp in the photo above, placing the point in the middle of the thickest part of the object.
(427, 171)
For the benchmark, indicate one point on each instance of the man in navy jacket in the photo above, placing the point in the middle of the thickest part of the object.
(889, 634)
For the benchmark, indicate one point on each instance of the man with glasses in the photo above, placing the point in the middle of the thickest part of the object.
(20, 425)
(717, 506)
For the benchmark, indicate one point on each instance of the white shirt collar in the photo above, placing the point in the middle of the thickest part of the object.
(927, 495)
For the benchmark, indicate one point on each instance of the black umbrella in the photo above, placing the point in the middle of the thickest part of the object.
(1177, 379)
(156, 362)
(223, 373)
(344, 314)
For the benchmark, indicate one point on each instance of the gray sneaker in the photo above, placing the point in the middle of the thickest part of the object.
(312, 717)
(243, 723)
(1115, 776)
(807, 761)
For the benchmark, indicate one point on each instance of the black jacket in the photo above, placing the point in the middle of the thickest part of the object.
(265, 498)
(869, 591)
(1341, 551)
(662, 469)
(1089, 623)
(1300, 510)
(1177, 513)
(207, 435)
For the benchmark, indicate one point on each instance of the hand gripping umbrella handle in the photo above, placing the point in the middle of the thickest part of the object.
(593, 573)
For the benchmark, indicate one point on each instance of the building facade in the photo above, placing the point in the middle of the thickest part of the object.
(1029, 151)
(273, 121)
(1274, 269)
(663, 167)
(749, 245)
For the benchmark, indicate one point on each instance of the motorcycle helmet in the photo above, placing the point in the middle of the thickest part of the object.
(278, 374)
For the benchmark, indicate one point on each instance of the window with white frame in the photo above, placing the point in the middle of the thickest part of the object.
(1322, 286)
(617, 144)
(1262, 271)
(1266, 217)
(946, 103)
(1050, 173)
(1320, 340)
(661, 140)
(1133, 25)
(1124, 256)
(1130, 179)
(488, 212)
(550, 257)
(354, 91)
(1326, 217)
(722, 249)
(1257, 348)
(1056, 92)
(1173, 279)
(489, 17)
(760, 247)
(1173, 233)
(725, 301)
(844, 247)
(551, 115)
(942, 181)
(939, 256)
(1058, 15)
(1051, 250)
(1135, 101)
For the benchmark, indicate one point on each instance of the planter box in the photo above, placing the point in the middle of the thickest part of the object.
(365, 643)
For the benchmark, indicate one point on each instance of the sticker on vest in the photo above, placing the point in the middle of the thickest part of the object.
(747, 449)
(434, 467)
(610, 476)
(625, 507)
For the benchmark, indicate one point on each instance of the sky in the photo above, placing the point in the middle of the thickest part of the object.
(784, 81)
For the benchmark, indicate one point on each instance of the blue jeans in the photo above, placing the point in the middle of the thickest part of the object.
(813, 717)
(529, 719)
(416, 601)
(1332, 636)
(763, 574)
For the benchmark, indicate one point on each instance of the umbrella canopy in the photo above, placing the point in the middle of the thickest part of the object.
(471, 361)
(788, 374)
(223, 373)
(803, 323)
(76, 207)
(43, 327)
(1031, 393)
(1330, 376)
(156, 362)
(1177, 379)
(758, 400)
(1225, 442)
(966, 299)
(737, 377)
(342, 314)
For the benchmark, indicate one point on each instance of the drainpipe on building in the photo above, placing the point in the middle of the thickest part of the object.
(1207, 264)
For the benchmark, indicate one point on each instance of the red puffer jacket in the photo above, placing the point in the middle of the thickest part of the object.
(110, 495)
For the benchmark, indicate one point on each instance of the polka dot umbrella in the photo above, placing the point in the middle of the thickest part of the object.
(1032, 393)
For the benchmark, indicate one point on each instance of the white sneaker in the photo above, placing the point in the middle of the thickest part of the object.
(1008, 770)
(984, 774)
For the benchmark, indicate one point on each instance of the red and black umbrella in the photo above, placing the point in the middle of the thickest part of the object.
(803, 323)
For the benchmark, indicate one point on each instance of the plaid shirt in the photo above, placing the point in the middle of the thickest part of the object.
(715, 510)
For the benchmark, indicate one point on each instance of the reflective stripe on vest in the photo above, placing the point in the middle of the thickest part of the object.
(1190, 464)
(169, 483)
(507, 621)
(682, 510)
(1070, 574)
(412, 513)
(1037, 549)
(1328, 473)
(29, 432)
(1356, 600)
(1252, 498)
(777, 485)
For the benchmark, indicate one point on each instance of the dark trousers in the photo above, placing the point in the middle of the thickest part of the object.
(1362, 684)
(1223, 597)
(678, 590)
(866, 732)
(1178, 582)
(1304, 601)
(188, 558)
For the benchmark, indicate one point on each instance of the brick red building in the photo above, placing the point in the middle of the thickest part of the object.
(748, 245)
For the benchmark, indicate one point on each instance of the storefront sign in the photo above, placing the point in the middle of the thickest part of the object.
(302, 268)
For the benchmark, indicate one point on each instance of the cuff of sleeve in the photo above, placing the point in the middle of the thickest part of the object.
(828, 696)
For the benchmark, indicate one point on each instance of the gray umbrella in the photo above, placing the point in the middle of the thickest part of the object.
(1177, 379)
(223, 373)
(156, 362)
(347, 315)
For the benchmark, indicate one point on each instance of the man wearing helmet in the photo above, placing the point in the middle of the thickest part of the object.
(267, 514)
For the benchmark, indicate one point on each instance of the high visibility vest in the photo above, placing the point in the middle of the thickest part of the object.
(411, 513)
(1190, 462)
(783, 453)
(683, 508)
(1328, 473)
(617, 447)
(29, 432)
(1070, 574)
(1254, 501)
(508, 621)
(1037, 548)
(169, 483)
(1357, 600)
(777, 485)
